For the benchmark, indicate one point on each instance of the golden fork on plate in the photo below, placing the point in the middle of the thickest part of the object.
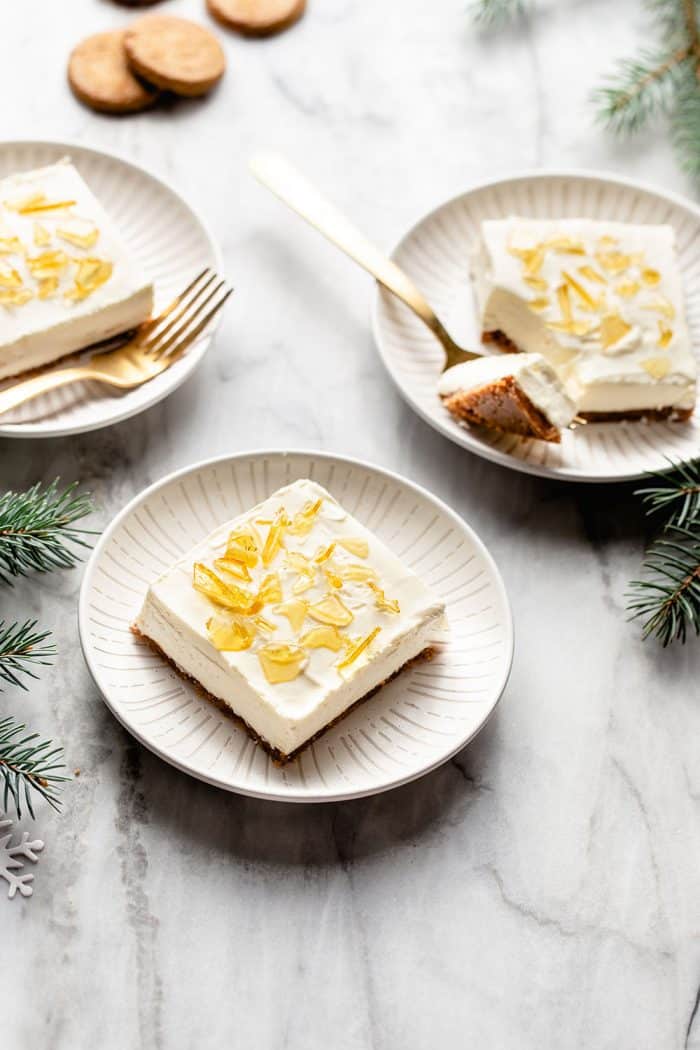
(294, 190)
(153, 349)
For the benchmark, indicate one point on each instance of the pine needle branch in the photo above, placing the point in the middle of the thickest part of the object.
(639, 89)
(28, 767)
(494, 13)
(685, 122)
(663, 81)
(678, 495)
(20, 648)
(37, 529)
(668, 598)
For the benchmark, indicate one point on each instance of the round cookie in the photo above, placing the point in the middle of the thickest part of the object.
(100, 77)
(174, 54)
(257, 17)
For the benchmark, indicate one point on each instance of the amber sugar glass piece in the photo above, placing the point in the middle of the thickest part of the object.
(175, 54)
(100, 77)
(257, 17)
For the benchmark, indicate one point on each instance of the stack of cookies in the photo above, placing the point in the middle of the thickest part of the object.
(126, 70)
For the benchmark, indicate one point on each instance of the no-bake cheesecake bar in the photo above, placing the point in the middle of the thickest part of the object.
(516, 393)
(601, 301)
(67, 278)
(289, 615)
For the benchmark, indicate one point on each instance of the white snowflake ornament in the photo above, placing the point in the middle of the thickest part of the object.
(9, 860)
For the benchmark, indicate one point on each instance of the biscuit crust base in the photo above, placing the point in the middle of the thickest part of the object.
(651, 415)
(277, 756)
(501, 405)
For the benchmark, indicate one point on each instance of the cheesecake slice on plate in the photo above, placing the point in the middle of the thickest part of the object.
(601, 301)
(516, 393)
(67, 277)
(289, 615)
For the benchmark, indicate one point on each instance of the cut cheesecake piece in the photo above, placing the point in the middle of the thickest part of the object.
(67, 278)
(290, 614)
(602, 301)
(518, 393)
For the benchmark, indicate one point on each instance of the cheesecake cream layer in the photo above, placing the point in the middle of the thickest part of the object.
(535, 376)
(288, 714)
(45, 252)
(602, 301)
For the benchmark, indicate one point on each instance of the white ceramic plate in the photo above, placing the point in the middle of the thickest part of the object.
(435, 254)
(411, 726)
(172, 243)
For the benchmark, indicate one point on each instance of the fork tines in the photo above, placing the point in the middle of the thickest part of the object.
(187, 316)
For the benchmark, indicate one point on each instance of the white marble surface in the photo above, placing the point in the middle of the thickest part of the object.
(541, 890)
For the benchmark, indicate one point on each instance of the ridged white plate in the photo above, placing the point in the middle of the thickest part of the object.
(173, 245)
(409, 727)
(435, 253)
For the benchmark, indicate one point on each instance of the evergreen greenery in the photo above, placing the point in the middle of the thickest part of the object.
(37, 529)
(37, 533)
(662, 80)
(667, 598)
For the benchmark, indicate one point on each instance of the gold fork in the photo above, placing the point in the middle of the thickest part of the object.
(294, 190)
(153, 349)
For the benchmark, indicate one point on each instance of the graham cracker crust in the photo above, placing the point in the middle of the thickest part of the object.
(501, 340)
(277, 756)
(501, 405)
(648, 415)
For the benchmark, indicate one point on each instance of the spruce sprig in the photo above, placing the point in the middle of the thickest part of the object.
(667, 598)
(37, 529)
(666, 80)
(37, 533)
(21, 647)
(661, 80)
(495, 13)
(27, 765)
(677, 495)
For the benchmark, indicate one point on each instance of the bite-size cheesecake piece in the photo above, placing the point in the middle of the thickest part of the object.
(290, 614)
(67, 278)
(517, 393)
(602, 301)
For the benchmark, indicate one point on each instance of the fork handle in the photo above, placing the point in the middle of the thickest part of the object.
(293, 189)
(29, 389)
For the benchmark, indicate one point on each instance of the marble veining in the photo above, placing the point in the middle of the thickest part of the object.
(539, 890)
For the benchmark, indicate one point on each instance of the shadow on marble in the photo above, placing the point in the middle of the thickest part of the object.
(211, 821)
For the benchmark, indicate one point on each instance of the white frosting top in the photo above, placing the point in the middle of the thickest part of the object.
(537, 379)
(31, 229)
(173, 597)
(603, 301)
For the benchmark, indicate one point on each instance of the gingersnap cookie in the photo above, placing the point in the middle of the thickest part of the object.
(174, 54)
(257, 17)
(100, 77)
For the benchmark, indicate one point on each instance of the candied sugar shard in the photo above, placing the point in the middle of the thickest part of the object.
(358, 649)
(80, 282)
(296, 611)
(282, 663)
(330, 610)
(83, 235)
(323, 637)
(329, 614)
(90, 275)
(594, 298)
(230, 633)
